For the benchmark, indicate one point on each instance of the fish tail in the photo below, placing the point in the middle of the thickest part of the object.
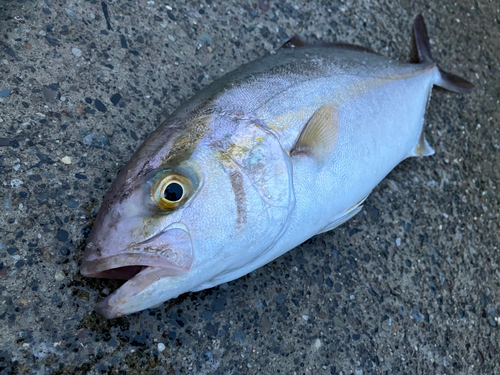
(422, 55)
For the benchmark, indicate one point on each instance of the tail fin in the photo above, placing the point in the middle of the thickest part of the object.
(447, 81)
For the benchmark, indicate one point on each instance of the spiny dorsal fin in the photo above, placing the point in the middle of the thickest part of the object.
(319, 135)
(296, 42)
(293, 42)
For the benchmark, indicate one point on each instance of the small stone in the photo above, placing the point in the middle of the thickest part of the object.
(416, 314)
(207, 315)
(205, 38)
(64, 251)
(317, 344)
(161, 347)
(70, 12)
(66, 160)
(62, 235)
(15, 183)
(280, 299)
(77, 52)
(72, 203)
(87, 140)
(115, 98)
(12, 250)
(492, 321)
(48, 93)
(100, 105)
(4, 92)
(170, 15)
(59, 276)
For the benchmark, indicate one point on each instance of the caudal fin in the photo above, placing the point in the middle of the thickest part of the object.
(447, 81)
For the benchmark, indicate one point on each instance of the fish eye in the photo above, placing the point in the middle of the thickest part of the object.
(170, 191)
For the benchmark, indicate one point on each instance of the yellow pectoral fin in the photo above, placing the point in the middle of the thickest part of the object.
(319, 135)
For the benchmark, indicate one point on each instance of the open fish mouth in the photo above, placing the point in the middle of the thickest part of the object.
(125, 266)
(167, 254)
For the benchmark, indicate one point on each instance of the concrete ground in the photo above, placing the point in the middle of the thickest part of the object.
(411, 285)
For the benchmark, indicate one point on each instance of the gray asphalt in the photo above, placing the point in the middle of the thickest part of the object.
(410, 285)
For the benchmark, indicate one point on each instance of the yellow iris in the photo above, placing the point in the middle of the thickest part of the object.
(170, 191)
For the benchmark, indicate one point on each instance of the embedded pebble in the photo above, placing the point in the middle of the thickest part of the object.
(77, 52)
(161, 347)
(66, 160)
(62, 235)
(94, 140)
(4, 92)
(59, 276)
(16, 183)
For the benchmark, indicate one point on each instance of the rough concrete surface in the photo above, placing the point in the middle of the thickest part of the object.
(411, 285)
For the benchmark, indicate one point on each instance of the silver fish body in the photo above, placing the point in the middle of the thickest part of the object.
(279, 150)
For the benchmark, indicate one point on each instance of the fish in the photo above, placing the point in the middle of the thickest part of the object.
(264, 158)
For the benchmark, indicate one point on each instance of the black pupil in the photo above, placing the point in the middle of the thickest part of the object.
(173, 192)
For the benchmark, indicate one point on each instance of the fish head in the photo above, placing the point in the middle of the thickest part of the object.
(176, 221)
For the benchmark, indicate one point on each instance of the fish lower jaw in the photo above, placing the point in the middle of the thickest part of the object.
(145, 290)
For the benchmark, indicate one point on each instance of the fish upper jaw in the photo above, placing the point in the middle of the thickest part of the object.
(171, 249)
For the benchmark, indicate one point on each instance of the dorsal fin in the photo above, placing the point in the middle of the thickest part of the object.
(421, 48)
(421, 54)
(296, 42)
(319, 134)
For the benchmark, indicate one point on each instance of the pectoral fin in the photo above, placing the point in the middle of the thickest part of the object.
(346, 215)
(319, 135)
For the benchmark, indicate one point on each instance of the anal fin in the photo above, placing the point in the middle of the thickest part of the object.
(423, 147)
(346, 215)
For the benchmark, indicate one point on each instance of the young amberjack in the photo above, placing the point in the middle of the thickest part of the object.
(264, 158)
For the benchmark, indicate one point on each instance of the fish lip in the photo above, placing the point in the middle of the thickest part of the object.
(99, 268)
(136, 256)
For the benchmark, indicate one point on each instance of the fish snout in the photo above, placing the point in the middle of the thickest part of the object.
(170, 250)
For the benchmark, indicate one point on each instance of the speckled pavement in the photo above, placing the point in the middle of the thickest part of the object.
(411, 285)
